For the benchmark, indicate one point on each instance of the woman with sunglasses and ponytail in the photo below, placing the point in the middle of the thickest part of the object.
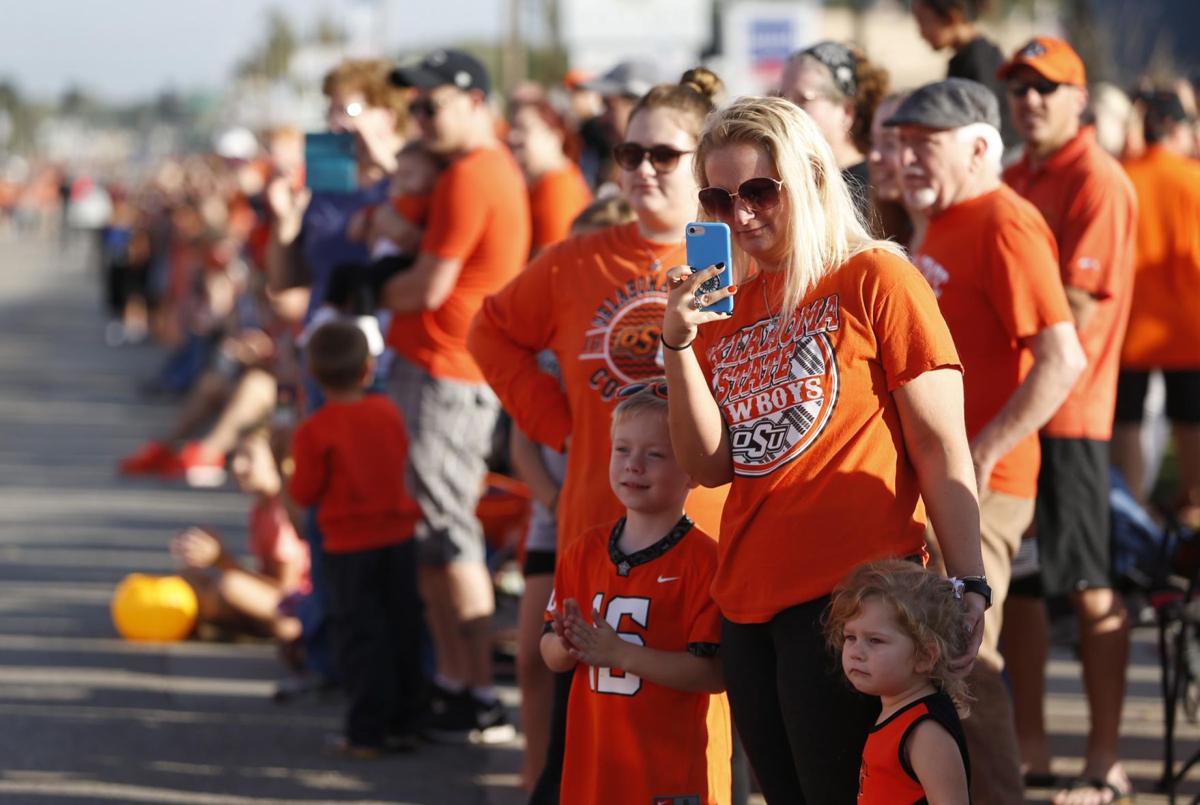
(831, 398)
(597, 302)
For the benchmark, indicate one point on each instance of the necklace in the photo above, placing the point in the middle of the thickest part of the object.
(656, 262)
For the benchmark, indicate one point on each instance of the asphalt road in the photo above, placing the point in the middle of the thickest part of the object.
(88, 717)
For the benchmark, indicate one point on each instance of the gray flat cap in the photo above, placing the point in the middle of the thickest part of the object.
(633, 79)
(948, 104)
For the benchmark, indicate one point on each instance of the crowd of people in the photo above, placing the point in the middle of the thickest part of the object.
(833, 513)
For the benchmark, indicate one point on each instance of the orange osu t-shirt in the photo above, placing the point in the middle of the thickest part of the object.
(993, 266)
(1164, 323)
(1090, 207)
(822, 478)
(630, 740)
(554, 201)
(479, 214)
(597, 301)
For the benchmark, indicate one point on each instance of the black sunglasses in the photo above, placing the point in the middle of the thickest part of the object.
(759, 194)
(659, 389)
(663, 158)
(1042, 86)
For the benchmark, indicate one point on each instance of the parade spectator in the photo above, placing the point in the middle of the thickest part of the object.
(634, 595)
(883, 162)
(954, 25)
(259, 600)
(557, 190)
(992, 264)
(619, 90)
(544, 469)
(477, 239)
(347, 458)
(1089, 204)
(839, 87)
(1164, 333)
(821, 398)
(596, 302)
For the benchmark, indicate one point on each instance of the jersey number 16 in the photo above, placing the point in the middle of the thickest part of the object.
(605, 680)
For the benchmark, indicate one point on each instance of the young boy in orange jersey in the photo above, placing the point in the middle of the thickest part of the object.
(349, 461)
(643, 725)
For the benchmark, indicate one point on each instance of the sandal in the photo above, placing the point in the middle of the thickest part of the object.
(1119, 797)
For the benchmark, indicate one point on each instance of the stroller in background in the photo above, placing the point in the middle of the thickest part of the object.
(1161, 565)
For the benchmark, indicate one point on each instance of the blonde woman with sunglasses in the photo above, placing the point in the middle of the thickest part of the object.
(831, 398)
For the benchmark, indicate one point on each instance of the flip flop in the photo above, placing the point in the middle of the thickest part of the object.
(1119, 797)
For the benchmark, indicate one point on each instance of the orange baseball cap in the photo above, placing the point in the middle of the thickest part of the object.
(1053, 59)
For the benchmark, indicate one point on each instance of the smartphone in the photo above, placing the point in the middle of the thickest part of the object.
(708, 244)
(329, 163)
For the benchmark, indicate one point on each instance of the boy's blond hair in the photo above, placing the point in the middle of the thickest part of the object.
(924, 605)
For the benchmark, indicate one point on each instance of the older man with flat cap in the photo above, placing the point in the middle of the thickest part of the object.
(1089, 204)
(993, 265)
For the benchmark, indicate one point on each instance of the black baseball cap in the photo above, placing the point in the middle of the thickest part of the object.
(444, 68)
(948, 104)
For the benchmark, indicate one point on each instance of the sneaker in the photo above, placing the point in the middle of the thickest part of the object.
(202, 467)
(465, 719)
(152, 458)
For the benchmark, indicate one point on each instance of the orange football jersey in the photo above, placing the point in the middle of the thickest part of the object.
(630, 740)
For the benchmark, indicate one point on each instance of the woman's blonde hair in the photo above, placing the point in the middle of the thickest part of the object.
(823, 229)
(925, 607)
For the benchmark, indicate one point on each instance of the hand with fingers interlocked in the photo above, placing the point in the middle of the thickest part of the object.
(685, 306)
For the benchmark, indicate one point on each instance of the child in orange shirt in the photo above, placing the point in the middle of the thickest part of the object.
(897, 627)
(643, 724)
(349, 461)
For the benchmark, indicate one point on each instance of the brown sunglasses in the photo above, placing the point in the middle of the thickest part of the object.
(759, 194)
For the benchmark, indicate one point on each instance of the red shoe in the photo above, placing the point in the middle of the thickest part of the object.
(152, 458)
(202, 467)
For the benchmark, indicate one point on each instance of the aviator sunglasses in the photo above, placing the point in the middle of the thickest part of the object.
(663, 158)
(759, 194)
(1042, 86)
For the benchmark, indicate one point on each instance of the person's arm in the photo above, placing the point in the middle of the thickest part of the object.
(598, 644)
(698, 432)
(288, 206)
(526, 457)
(308, 471)
(199, 548)
(935, 439)
(1083, 306)
(505, 338)
(1058, 362)
(935, 759)
(426, 286)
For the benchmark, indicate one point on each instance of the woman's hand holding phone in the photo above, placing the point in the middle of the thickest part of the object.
(687, 303)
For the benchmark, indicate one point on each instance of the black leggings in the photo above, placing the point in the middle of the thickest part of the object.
(801, 723)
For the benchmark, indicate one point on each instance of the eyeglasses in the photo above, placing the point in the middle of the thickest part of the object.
(663, 158)
(659, 388)
(759, 194)
(1042, 86)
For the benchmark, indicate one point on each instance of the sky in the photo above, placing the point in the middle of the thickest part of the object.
(128, 49)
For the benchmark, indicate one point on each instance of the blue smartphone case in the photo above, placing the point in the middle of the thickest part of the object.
(708, 244)
(329, 164)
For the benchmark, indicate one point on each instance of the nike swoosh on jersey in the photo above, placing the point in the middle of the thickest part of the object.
(665, 579)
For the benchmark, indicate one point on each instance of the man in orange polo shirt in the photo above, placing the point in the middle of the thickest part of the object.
(1164, 330)
(477, 239)
(1089, 205)
(992, 264)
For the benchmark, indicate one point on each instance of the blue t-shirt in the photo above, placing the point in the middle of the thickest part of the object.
(323, 235)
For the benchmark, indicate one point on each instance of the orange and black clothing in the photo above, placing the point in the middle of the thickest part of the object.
(597, 302)
(887, 776)
(629, 739)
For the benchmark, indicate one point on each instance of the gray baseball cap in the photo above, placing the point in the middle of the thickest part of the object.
(633, 79)
(948, 104)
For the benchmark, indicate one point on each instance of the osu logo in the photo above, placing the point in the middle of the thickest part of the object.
(777, 393)
(627, 344)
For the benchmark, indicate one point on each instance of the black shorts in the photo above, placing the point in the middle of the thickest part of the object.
(539, 563)
(1183, 396)
(1072, 516)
